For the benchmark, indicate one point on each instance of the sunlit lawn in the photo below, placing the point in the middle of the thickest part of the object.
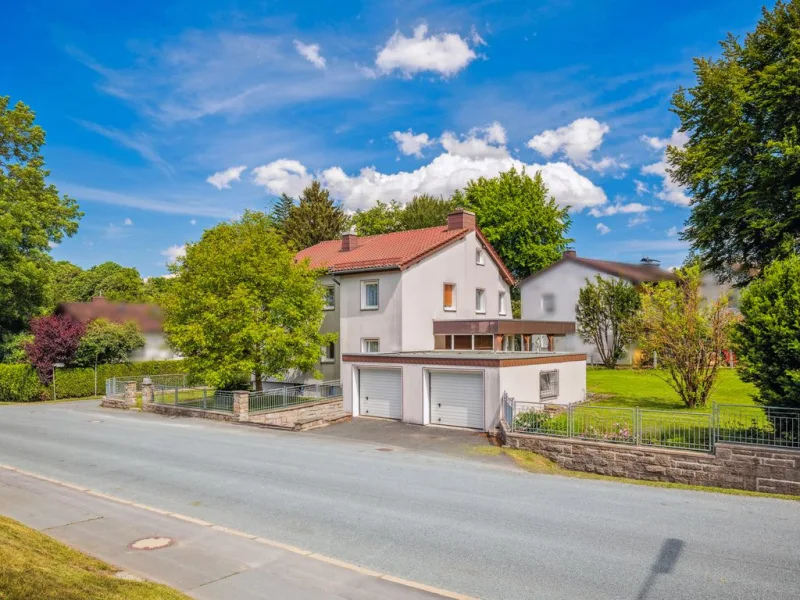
(646, 388)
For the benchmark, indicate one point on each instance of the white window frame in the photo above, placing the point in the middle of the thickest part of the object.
(480, 257)
(501, 303)
(454, 307)
(548, 384)
(325, 357)
(330, 306)
(365, 342)
(480, 307)
(544, 304)
(364, 284)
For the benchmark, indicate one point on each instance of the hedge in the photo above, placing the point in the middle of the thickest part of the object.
(19, 383)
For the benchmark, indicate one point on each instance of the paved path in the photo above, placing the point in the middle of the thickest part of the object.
(480, 529)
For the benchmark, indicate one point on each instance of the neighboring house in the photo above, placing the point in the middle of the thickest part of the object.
(147, 316)
(425, 328)
(551, 294)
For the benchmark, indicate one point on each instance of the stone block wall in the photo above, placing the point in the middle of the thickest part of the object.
(288, 417)
(738, 466)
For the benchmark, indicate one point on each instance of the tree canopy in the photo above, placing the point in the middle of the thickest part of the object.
(107, 342)
(314, 219)
(33, 215)
(423, 211)
(240, 304)
(519, 218)
(109, 279)
(55, 340)
(281, 210)
(741, 163)
(767, 340)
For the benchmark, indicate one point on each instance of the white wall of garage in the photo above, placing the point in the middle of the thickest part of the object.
(522, 383)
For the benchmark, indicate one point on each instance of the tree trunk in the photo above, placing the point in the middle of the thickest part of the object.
(258, 385)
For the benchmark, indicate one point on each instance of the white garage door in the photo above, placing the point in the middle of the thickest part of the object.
(380, 393)
(457, 399)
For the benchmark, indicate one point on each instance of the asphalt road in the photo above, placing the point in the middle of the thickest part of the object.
(467, 526)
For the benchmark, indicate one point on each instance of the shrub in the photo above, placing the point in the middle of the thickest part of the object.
(79, 382)
(19, 383)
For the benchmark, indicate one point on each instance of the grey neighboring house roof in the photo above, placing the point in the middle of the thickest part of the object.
(635, 273)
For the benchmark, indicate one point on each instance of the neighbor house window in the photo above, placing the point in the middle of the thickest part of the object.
(548, 304)
(449, 296)
(479, 256)
(369, 295)
(480, 301)
(501, 303)
(329, 354)
(330, 298)
(548, 384)
(370, 345)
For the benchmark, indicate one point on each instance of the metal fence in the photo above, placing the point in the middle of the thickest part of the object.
(688, 430)
(274, 399)
(116, 386)
(201, 398)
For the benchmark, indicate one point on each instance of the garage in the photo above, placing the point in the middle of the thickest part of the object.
(380, 393)
(457, 399)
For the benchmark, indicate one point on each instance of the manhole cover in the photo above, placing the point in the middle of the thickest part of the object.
(151, 543)
(384, 450)
(95, 421)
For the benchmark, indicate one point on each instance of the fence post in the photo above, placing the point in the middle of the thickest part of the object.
(637, 424)
(714, 427)
(205, 398)
(130, 393)
(148, 393)
(176, 395)
(241, 405)
(570, 416)
(284, 395)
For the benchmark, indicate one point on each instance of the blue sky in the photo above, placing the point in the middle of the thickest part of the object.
(164, 118)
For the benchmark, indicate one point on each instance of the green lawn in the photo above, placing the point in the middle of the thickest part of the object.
(646, 388)
(33, 565)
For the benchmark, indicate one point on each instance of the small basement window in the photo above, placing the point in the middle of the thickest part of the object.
(548, 384)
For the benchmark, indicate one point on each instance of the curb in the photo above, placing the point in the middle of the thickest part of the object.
(275, 544)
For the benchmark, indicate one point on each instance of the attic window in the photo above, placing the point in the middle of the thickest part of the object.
(479, 257)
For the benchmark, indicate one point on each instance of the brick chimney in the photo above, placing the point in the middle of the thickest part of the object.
(569, 253)
(349, 241)
(460, 219)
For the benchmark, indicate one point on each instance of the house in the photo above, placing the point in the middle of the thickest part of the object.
(147, 316)
(426, 333)
(551, 294)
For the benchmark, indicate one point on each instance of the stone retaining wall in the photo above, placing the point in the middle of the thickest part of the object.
(744, 467)
(171, 410)
(288, 417)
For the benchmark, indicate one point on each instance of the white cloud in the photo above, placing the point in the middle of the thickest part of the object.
(311, 53)
(673, 232)
(476, 38)
(283, 176)
(478, 154)
(603, 229)
(128, 221)
(577, 141)
(410, 144)
(445, 53)
(193, 222)
(637, 219)
(620, 208)
(174, 252)
(641, 187)
(223, 179)
(670, 190)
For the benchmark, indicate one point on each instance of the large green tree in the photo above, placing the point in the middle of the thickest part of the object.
(741, 163)
(314, 219)
(240, 304)
(519, 218)
(767, 339)
(423, 211)
(33, 216)
(111, 280)
(62, 277)
(381, 218)
(107, 342)
(281, 209)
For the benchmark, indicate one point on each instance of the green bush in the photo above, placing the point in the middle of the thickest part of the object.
(79, 382)
(19, 383)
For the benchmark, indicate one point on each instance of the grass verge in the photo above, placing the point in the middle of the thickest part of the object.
(32, 565)
(59, 401)
(536, 463)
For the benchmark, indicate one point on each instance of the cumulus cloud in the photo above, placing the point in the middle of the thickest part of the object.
(477, 154)
(445, 53)
(669, 190)
(577, 141)
(311, 53)
(603, 229)
(637, 220)
(673, 232)
(174, 252)
(620, 208)
(223, 179)
(128, 221)
(410, 144)
(283, 176)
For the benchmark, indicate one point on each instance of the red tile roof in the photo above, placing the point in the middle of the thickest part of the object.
(398, 250)
(147, 316)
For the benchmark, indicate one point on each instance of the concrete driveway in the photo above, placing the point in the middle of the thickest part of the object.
(469, 526)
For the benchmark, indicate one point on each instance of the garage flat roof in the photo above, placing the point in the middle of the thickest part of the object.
(469, 358)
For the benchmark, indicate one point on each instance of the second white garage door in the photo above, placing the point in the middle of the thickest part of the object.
(380, 393)
(457, 399)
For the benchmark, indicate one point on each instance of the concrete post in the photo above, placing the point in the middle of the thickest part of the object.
(148, 393)
(241, 405)
(130, 393)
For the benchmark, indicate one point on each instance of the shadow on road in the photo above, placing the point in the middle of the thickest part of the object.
(664, 564)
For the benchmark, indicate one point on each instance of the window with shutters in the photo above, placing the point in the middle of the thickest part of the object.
(449, 296)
